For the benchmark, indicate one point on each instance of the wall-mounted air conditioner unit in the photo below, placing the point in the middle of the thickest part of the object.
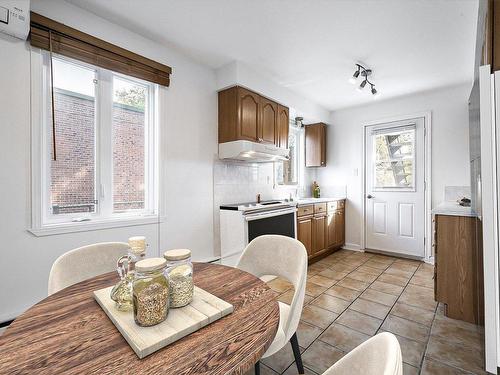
(15, 18)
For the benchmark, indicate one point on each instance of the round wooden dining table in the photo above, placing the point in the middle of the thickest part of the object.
(68, 332)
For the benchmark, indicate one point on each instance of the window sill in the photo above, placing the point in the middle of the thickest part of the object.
(61, 228)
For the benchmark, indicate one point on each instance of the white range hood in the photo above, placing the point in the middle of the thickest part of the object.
(252, 152)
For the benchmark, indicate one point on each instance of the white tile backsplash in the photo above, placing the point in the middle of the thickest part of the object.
(455, 193)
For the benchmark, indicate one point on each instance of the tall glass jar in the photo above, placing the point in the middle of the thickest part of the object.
(180, 276)
(122, 291)
(150, 292)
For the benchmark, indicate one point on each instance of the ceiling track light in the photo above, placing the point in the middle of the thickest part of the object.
(364, 73)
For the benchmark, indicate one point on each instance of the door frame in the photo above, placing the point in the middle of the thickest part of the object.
(427, 116)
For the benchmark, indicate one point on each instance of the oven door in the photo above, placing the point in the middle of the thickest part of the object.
(281, 222)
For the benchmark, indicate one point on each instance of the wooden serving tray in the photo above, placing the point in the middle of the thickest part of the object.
(203, 310)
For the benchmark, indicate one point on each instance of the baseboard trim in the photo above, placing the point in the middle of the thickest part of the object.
(353, 247)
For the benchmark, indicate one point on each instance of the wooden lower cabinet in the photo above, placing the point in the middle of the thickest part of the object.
(332, 229)
(336, 228)
(321, 232)
(304, 232)
(319, 238)
(458, 268)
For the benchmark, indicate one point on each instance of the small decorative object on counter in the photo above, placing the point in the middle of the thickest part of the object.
(464, 202)
(122, 292)
(150, 292)
(316, 190)
(180, 276)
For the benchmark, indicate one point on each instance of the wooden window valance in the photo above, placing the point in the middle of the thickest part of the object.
(64, 40)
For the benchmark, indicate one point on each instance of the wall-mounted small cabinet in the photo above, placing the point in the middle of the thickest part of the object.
(315, 147)
(246, 115)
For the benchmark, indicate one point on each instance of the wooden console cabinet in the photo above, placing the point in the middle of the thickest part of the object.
(458, 269)
(321, 227)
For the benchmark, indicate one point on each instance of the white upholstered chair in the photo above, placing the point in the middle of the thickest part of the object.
(287, 258)
(83, 263)
(379, 355)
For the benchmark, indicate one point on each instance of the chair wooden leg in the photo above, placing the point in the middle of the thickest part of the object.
(257, 368)
(296, 353)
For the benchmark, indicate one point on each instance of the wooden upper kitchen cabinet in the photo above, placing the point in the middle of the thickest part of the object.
(458, 268)
(488, 35)
(268, 124)
(238, 115)
(283, 126)
(315, 148)
(246, 115)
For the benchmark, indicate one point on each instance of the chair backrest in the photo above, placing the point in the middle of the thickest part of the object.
(284, 257)
(83, 263)
(380, 355)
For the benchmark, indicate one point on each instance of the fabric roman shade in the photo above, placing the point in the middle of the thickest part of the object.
(64, 40)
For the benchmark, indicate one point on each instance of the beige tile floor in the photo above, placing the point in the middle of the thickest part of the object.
(351, 296)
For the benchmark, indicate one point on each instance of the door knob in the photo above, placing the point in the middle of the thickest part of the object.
(369, 196)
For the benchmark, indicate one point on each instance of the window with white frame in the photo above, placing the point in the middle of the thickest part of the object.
(105, 164)
(288, 172)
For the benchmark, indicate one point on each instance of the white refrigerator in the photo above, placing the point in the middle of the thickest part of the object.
(485, 175)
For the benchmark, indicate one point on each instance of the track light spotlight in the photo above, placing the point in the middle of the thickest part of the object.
(354, 76)
(364, 73)
(362, 85)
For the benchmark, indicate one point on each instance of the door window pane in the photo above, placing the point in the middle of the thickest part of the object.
(394, 162)
(129, 147)
(72, 175)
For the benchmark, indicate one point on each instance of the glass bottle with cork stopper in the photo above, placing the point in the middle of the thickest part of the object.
(180, 276)
(150, 292)
(122, 292)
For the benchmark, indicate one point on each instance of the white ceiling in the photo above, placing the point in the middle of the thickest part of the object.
(311, 46)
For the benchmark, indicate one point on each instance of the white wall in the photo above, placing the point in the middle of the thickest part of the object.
(238, 73)
(450, 146)
(190, 143)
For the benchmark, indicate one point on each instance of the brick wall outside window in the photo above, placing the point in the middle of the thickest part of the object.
(73, 174)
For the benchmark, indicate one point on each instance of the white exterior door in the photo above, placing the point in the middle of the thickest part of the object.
(394, 187)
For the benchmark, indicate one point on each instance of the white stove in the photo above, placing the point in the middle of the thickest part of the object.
(241, 223)
(264, 205)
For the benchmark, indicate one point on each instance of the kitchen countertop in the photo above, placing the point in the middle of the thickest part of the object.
(305, 201)
(453, 209)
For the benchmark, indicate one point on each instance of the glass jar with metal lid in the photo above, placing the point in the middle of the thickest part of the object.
(180, 276)
(150, 292)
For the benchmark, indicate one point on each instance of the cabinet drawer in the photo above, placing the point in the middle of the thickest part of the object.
(332, 206)
(335, 205)
(319, 208)
(305, 210)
